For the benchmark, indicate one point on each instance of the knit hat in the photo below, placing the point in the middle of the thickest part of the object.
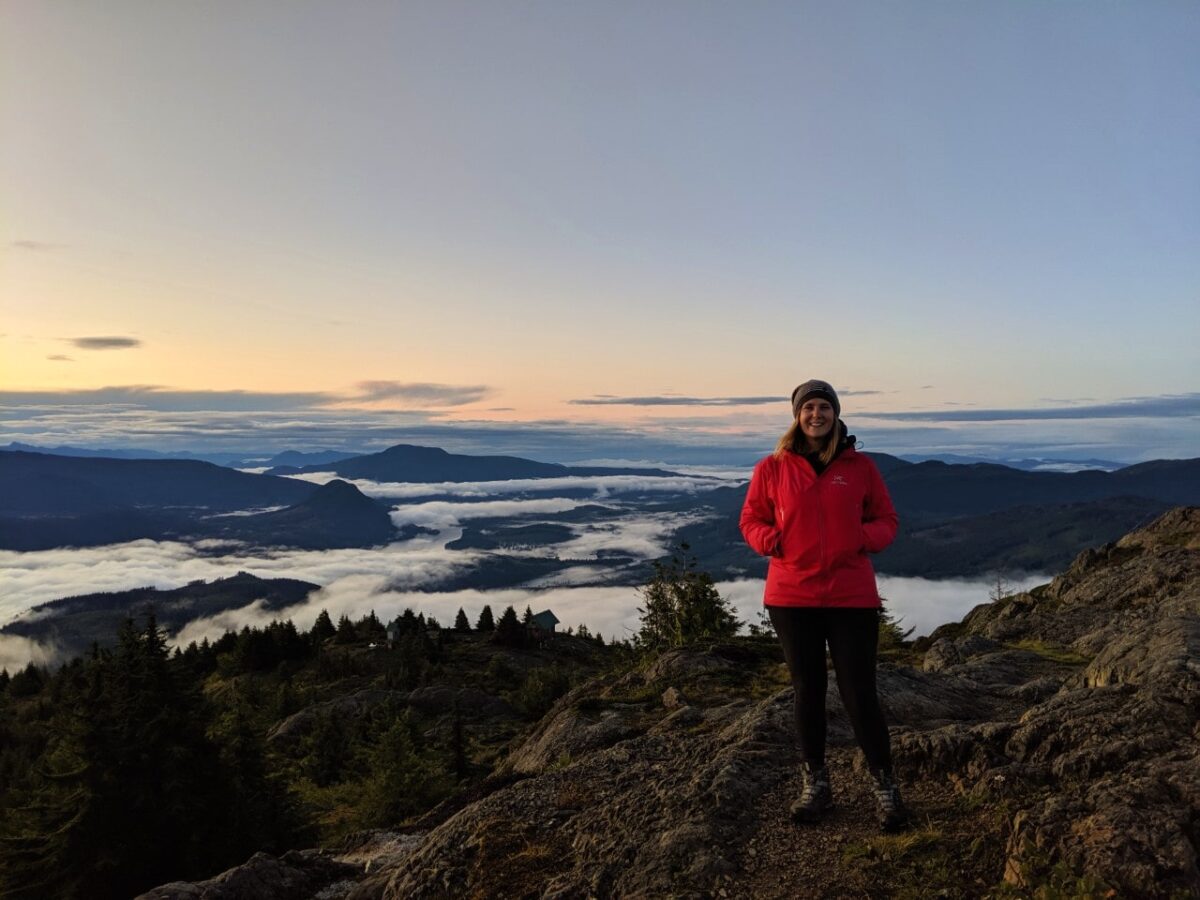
(815, 388)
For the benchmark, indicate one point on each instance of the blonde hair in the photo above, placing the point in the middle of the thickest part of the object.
(793, 441)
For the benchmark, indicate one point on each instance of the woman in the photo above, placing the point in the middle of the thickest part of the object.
(817, 507)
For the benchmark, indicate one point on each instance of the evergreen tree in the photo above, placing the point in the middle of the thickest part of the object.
(27, 682)
(682, 606)
(528, 619)
(510, 632)
(407, 623)
(346, 632)
(370, 629)
(486, 622)
(132, 793)
(461, 624)
(322, 629)
(401, 782)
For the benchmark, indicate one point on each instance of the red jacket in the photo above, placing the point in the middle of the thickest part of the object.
(818, 529)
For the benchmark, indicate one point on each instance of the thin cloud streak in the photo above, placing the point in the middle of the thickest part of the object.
(669, 400)
(106, 343)
(425, 393)
(1168, 405)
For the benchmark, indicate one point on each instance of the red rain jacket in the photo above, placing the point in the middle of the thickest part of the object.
(818, 529)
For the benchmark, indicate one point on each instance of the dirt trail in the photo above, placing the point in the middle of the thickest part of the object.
(948, 853)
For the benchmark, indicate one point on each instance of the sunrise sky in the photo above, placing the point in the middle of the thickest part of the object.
(600, 229)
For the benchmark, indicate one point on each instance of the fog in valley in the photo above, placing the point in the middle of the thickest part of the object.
(388, 579)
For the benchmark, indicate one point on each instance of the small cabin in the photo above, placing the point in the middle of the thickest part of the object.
(545, 621)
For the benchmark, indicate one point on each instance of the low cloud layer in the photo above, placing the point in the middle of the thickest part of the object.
(1167, 405)
(602, 486)
(672, 400)
(106, 343)
(18, 652)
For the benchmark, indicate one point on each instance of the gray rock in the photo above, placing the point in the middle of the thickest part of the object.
(297, 875)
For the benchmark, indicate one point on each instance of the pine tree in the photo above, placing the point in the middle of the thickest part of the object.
(346, 632)
(322, 629)
(682, 606)
(510, 632)
(486, 622)
(461, 624)
(528, 619)
(402, 781)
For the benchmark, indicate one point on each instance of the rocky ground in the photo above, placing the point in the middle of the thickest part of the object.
(1048, 745)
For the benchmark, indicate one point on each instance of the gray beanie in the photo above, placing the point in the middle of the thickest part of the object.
(814, 387)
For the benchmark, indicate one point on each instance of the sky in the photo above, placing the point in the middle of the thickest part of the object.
(601, 229)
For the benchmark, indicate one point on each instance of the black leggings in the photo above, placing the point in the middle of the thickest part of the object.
(853, 636)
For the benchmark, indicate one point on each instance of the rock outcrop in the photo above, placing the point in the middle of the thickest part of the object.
(1066, 719)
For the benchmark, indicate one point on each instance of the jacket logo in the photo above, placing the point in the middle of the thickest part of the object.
(838, 479)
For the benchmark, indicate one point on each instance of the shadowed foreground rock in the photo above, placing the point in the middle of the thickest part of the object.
(1065, 719)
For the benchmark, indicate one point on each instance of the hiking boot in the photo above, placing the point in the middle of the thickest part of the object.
(816, 798)
(893, 815)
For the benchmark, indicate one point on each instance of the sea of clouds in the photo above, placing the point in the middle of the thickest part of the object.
(389, 579)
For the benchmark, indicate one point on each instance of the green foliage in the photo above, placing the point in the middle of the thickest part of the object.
(461, 623)
(682, 605)
(891, 635)
(486, 621)
(541, 687)
(402, 780)
(1052, 652)
(322, 630)
(26, 682)
(509, 631)
(131, 791)
(1044, 880)
(346, 632)
(764, 627)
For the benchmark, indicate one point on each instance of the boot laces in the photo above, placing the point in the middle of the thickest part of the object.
(887, 795)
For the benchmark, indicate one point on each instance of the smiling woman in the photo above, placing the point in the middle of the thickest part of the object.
(817, 507)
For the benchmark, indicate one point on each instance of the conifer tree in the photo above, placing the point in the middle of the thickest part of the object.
(682, 605)
(486, 622)
(323, 629)
(401, 782)
(461, 624)
(509, 631)
(346, 632)
(528, 619)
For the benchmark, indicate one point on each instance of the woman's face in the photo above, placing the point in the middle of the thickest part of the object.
(816, 419)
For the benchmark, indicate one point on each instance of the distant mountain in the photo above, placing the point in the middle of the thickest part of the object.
(336, 515)
(1027, 465)
(412, 463)
(72, 624)
(58, 501)
(315, 457)
(930, 491)
(44, 484)
(222, 459)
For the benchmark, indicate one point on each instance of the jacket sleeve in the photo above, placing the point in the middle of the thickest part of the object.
(879, 516)
(758, 513)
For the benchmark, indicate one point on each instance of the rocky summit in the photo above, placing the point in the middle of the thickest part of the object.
(1048, 744)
